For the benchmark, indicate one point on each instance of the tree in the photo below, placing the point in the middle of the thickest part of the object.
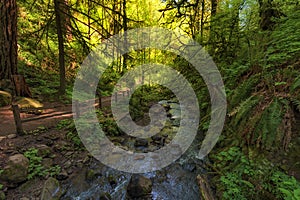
(8, 38)
(268, 12)
(60, 37)
(212, 34)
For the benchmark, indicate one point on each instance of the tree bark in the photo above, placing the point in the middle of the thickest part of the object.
(125, 27)
(60, 37)
(8, 38)
(202, 20)
(214, 5)
(267, 13)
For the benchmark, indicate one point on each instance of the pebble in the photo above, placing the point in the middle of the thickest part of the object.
(139, 157)
(68, 164)
(63, 175)
(12, 136)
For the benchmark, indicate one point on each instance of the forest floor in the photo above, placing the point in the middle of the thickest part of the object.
(41, 133)
(56, 112)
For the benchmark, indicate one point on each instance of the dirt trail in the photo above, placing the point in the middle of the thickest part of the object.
(56, 113)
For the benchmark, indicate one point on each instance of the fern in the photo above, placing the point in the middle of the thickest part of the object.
(296, 102)
(244, 109)
(295, 85)
(285, 45)
(244, 90)
(266, 129)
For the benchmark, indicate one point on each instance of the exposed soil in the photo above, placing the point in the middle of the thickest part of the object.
(56, 112)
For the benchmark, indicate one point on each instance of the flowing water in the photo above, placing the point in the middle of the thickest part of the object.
(176, 181)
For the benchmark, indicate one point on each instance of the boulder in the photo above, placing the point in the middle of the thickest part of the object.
(139, 186)
(16, 169)
(5, 98)
(51, 190)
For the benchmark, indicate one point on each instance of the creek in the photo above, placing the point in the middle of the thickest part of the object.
(176, 181)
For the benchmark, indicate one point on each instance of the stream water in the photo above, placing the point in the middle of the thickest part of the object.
(176, 181)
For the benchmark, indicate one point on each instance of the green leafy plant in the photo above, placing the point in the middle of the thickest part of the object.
(35, 165)
(72, 135)
(251, 177)
(1, 185)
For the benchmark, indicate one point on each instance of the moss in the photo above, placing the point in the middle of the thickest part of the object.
(5, 98)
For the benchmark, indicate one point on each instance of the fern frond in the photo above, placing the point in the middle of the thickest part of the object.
(296, 84)
(266, 129)
(244, 90)
(243, 111)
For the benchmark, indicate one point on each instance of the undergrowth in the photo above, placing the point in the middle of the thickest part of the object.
(252, 177)
(36, 169)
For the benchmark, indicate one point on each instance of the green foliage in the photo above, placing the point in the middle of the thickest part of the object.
(286, 187)
(244, 90)
(1, 186)
(144, 96)
(72, 135)
(296, 84)
(36, 169)
(243, 111)
(285, 46)
(108, 124)
(267, 127)
(65, 124)
(38, 130)
(251, 178)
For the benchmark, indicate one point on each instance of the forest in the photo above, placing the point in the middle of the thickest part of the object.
(85, 85)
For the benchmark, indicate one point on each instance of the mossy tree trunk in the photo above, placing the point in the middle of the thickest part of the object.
(8, 38)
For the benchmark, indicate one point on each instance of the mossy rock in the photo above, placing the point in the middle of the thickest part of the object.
(139, 186)
(5, 98)
(16, 170)
(25, 102)
(52, 190)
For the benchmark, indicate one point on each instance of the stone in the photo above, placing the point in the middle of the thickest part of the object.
(24, 198)
(139, 186)
(105, 196)
(189, 167)
(112, 179)
(63, 175)
(67, 164)
(47, 163)
(43, 150)
(5, 98)
(141, 143)
(12, 136)
(51, 190)
(90, 174)
(101, 196)
(139, 157)
(156, 138)
(16, 169)
(79, 183)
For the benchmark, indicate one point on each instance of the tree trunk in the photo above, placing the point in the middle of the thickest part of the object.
(8, 38)
(60, 37)
(214, 5)
(202, 20)
(268, 12)
(125, 27)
